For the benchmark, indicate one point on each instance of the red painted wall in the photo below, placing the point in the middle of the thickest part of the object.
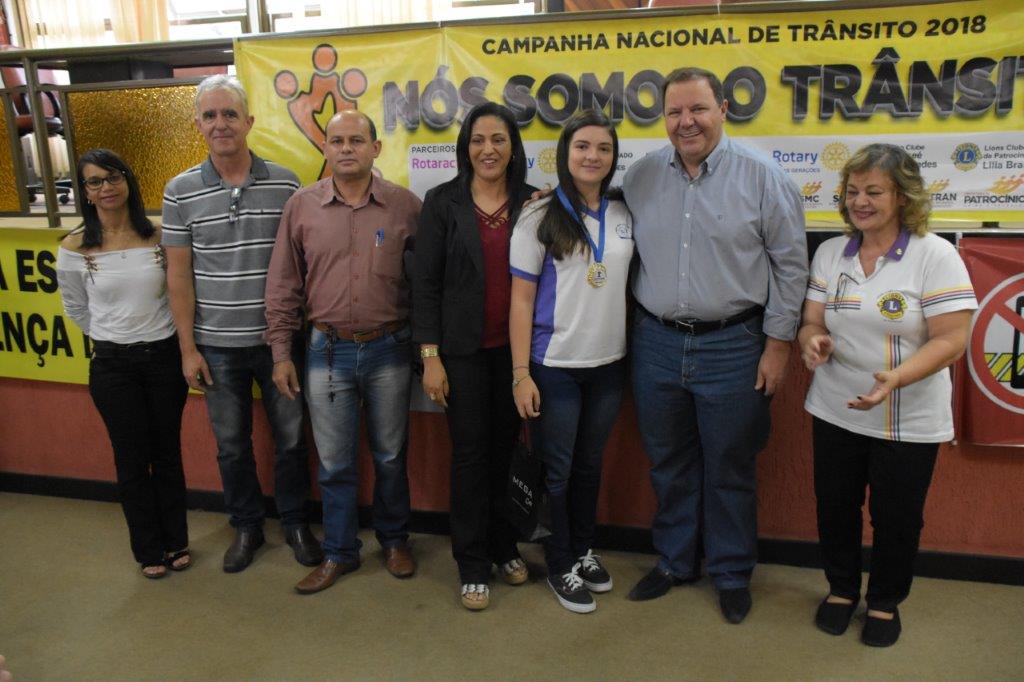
(976, 503)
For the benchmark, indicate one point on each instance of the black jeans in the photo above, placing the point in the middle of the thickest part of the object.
(483, 422)
(140, 393)
(898, 475)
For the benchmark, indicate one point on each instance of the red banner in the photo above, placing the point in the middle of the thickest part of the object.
(991, 375)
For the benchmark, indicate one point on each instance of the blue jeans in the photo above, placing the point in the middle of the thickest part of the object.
(229, 404)
(341, 376)
(578, 407)
(702, 425)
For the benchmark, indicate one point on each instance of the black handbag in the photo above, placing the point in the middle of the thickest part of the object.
(527, 500)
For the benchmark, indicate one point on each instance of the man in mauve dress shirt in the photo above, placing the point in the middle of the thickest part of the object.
(719, 231)
(338, 264)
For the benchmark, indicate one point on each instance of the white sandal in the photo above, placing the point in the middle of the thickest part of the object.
(515, 572)
(475, 596)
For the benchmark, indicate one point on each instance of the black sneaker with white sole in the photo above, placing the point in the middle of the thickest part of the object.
(595, 577)
(571, 592)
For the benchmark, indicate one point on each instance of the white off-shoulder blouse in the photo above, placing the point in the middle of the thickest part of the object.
(117, 296)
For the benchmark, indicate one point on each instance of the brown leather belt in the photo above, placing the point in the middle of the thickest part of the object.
(361, 337)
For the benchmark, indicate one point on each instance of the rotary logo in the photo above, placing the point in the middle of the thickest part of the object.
(966, 156)
(1005, 185)
(309, 108)
(546, 160)
(892, 305)
(834, 155)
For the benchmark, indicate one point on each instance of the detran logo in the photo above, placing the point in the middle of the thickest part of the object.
(309, 108)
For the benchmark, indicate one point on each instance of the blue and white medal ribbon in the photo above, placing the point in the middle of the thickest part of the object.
(597, 273)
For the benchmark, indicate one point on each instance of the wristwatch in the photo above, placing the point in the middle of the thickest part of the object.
(428, 352)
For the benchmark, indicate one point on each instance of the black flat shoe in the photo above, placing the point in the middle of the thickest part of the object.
(834, 618)
(735, 604)
(881, 632)
(653, 585)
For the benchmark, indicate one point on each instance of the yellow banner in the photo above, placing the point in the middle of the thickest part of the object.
(808, 87)
(38, 341)
(295, 85)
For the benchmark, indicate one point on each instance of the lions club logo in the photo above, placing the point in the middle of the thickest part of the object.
(892, 305)
(308, 108)
(965, 157)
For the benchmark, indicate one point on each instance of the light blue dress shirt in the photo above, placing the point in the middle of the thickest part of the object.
(713, 246)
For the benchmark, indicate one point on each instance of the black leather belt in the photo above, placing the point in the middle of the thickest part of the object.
(111, 349)
(697, 327)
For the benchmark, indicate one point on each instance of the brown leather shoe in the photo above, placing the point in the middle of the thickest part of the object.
(399, 561)
(325, 575)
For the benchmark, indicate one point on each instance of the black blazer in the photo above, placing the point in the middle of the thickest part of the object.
(448, 275)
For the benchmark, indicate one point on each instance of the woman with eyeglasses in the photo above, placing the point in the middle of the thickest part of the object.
(112, 276)
(570, 263)
(888, 309)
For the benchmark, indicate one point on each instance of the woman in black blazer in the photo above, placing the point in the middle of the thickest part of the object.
(461, 296)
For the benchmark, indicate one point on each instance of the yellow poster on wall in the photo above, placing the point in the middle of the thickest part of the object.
(806, 87)
(38, 341)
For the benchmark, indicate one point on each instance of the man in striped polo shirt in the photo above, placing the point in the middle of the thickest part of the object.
(220, 221)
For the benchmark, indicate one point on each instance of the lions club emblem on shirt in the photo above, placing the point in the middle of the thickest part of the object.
(892, 305)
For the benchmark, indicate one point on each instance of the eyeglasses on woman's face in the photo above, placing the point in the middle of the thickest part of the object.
(113, 178)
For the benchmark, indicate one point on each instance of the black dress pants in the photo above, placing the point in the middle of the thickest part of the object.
(139, 391)
(898, 475)
(483, 423)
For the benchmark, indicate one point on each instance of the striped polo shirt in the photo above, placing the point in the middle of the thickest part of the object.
(231, 247)
(878, 321)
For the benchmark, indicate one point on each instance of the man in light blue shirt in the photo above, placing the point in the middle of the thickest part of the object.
(719, 230)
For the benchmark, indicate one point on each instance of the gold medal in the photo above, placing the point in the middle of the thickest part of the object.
(597, 275)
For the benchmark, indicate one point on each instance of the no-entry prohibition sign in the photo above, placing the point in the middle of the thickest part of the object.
(997, 344)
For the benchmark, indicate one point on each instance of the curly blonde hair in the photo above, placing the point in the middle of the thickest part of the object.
(904, 172)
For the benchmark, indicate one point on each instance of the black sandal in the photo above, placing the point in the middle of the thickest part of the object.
(154, 576)
(176, 556)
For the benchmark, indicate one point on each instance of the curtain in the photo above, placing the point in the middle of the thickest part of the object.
(63, 23)
(139, 21)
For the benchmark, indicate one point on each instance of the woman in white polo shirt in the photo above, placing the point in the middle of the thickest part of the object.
(569, 259)
(888, 310)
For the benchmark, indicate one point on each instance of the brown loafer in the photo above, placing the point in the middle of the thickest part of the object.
(325, 575)
(399, 561)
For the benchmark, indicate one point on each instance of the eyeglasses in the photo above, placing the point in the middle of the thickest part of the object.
(842, 287)
(236, 196)
(114, 178)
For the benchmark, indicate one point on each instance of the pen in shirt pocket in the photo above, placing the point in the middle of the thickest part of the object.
(380, 237)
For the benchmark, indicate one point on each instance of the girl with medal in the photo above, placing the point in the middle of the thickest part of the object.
(569, 259)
